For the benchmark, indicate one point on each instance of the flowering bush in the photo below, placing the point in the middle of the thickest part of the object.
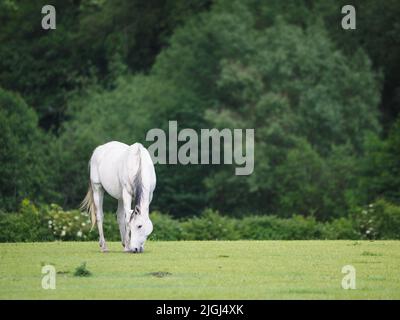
(44, 223)
(379, 220)
(67, 225)
(76, 225)
(365, 222)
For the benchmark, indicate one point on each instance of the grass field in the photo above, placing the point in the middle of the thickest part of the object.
(204, 270)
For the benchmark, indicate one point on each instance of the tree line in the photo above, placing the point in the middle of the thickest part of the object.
(323, 101)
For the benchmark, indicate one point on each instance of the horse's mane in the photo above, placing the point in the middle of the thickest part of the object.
(137, 182)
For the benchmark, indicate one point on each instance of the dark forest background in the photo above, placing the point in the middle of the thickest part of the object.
(324, 102)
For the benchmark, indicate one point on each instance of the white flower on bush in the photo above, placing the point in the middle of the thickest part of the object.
(63, 233)
(79, 233)
(83, 224)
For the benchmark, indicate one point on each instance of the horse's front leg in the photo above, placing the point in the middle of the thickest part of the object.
(127, 203)
(121, 221)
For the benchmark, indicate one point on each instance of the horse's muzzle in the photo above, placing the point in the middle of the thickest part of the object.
(136, 250)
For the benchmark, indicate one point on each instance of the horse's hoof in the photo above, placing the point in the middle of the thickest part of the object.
(104, 250)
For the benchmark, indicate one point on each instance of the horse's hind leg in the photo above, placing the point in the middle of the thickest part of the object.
(121, 220)
(98, 194)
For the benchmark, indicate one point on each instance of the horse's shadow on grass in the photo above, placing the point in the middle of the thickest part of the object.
(120, 252)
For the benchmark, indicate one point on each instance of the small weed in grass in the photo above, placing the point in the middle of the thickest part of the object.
(82, 271)
(62, 272)
(371, 254)
(160, 274)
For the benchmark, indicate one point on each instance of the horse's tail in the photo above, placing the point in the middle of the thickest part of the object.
(87, 205)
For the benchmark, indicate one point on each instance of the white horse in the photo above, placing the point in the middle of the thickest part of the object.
(126, 173)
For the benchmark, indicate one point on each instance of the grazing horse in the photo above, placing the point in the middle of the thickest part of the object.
(126, 173)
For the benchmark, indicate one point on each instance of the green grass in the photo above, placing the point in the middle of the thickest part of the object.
(203, 270)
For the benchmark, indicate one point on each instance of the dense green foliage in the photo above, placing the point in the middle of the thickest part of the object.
(24, 156)
(295, 90)
(92, 39)
(323, 102)
(380, 167)
(380, 220)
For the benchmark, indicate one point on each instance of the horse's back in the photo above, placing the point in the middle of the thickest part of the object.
(104, 166)
(108, 153)
(114, 165)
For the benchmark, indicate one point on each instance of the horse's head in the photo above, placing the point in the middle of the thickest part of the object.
(140, 227)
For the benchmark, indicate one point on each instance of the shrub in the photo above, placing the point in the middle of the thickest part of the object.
(27, 225)
(260, 227)
(210, 226)
(274, 228)
(379, 220)
(14, 228)
(299, 227)
(66, 225)
(342, 228)
(165, 227)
